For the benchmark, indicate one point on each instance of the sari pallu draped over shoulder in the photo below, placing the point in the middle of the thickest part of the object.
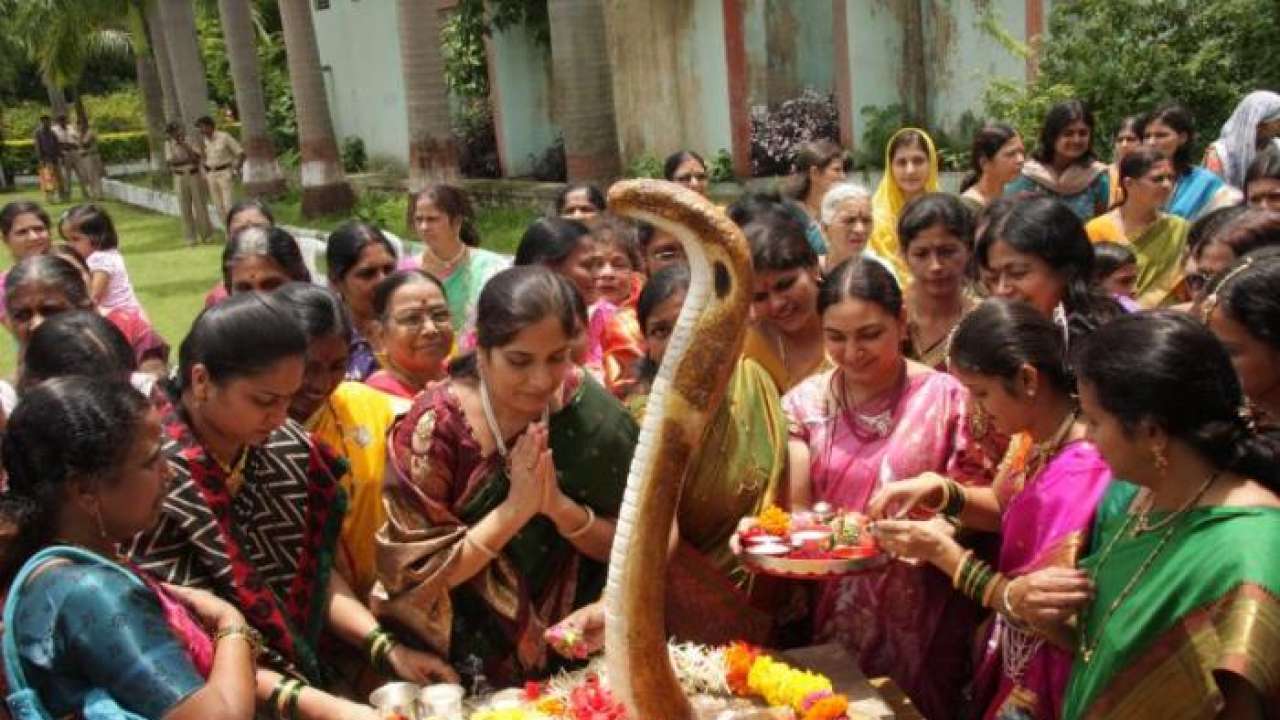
(1208, 603)
(1046, 521)
(1159, 250)
(439, 484)
(267, 548)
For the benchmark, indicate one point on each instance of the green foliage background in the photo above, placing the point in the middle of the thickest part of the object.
(1128, 56)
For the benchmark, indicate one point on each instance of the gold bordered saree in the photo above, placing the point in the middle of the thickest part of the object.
(1208, 603)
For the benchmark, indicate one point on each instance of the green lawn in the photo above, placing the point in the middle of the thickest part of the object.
(171, 279)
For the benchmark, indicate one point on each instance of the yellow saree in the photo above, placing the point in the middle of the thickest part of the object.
(887, 204)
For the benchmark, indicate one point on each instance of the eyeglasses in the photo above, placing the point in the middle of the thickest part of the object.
(1197, 281)
(415, 322)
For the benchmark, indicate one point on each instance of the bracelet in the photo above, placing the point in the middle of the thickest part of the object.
(996, 580)
(481, 547)
(295, 694)
(591, 520)
(1008, 606)
(285, 698)
(248, 632)
(379, 643)
(964, 561)
(943, 501)
(955, 499)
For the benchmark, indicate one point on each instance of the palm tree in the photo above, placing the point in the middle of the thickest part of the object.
(584, 87)
(324, 186)
(433, 154)
(261, 171)
(62, 37)
(178, 25)
(160, 51)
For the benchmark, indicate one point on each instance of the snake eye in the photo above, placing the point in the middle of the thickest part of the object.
(722, 279)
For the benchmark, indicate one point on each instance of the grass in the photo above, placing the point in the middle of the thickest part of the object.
(172, 279)
(169, 277)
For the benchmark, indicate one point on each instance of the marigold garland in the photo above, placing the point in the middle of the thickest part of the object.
(774, 520)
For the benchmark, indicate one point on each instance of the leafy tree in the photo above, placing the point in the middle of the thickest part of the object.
(1127, 56)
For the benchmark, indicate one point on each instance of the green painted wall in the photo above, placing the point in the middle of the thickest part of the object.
(520, 75)
(875, 57)
(360, 50)
(963, 56)
(790, 46)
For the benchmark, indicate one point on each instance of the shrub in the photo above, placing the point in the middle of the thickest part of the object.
(120, 111)
(776, 132)
(354, 157)
(880, 123)
(20, 155)
(1127, 56)
(721, 170)
(477, 139)
(551, 166)
(644, 166)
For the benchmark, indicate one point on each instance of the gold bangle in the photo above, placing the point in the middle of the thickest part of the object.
(996, 582)
(248, 632)
(591, 520)
(955, 576)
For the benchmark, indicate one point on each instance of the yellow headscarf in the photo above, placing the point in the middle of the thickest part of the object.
(887, 204)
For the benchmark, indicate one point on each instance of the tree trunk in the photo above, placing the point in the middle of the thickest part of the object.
(915, 64)
(583, 88)
(82, 115)
(324, 186)
(152, 105)
(192, 88)
(433, 154)
(164, 68)
(57, 98)
(262, 176)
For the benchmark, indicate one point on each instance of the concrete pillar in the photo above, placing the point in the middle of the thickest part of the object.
(583, 89)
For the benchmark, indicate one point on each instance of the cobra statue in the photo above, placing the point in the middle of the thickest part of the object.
(690, 385)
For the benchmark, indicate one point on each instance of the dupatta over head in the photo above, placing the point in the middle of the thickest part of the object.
(888, 201)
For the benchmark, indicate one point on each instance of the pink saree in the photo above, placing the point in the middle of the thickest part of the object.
(1045, 522)
(904, 621)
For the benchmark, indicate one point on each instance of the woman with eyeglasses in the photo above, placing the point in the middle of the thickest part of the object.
(1221, 238)
(1158, 239)
(413, 330)
(687, 168)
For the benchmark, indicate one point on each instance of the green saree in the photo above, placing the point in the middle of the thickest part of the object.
(442, 484)
(1206, 603)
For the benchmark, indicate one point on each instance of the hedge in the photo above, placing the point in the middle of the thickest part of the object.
(20, 155)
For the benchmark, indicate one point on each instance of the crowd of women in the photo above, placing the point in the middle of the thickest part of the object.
(1053, 394)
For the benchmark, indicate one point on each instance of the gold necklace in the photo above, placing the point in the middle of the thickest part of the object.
(235, 471)
(1087, 649)
(1042, 452)
(447, 266)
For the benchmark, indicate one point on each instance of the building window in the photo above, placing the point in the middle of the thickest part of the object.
(322, 4)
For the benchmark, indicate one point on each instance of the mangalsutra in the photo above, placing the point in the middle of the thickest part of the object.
(1087, 648)
(447, 266)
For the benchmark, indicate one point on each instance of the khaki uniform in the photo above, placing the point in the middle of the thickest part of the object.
(69, 140)
(188, 185)
(89, 162)
(221, 157)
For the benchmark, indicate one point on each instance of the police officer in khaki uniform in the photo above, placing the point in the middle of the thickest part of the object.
(223, 160)
(188, 184)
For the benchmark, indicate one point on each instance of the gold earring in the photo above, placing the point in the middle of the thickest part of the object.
(1160, 459)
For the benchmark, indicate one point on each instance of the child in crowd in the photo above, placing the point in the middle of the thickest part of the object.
(618, 282)
(88, 229)
(1115, 269)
